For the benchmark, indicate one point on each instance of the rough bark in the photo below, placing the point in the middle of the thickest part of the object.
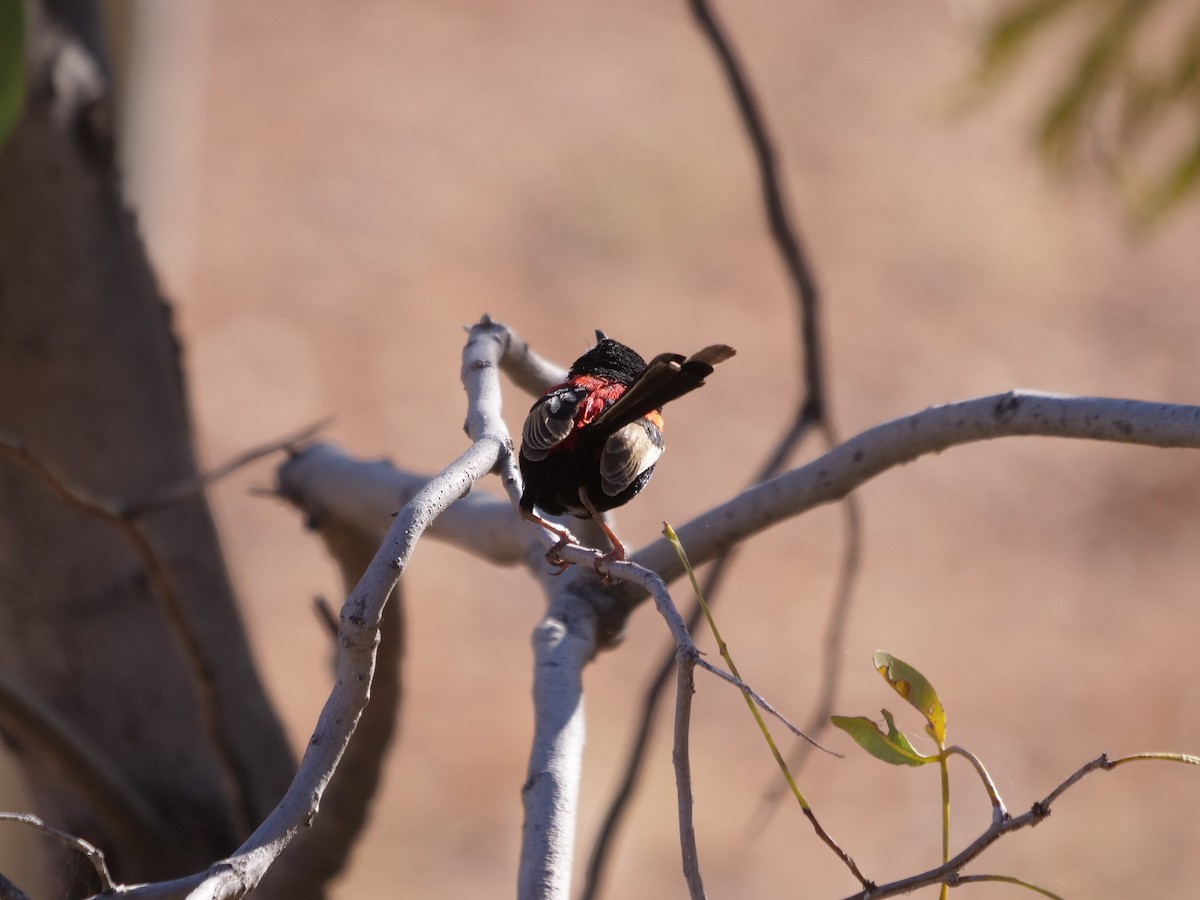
(90, 383)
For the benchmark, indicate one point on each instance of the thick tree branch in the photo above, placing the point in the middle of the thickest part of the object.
(835, 474)
(568, 636)
(530, 372)
(326, 484)
(322, 851)
(563, 643)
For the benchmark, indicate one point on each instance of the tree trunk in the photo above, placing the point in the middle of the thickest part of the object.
(102, 704)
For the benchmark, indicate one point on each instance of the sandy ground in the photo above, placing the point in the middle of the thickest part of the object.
(372, 176)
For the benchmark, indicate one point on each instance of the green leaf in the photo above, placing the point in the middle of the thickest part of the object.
(1096, 69)
(916, 689)
(1182, 178)
(1011, 33)
(12, 65)
(893, 748)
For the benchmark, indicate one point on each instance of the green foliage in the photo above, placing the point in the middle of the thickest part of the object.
(894, 746)
(1130, 89)
(12, 65)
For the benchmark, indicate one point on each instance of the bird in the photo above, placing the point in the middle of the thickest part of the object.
(590, 444)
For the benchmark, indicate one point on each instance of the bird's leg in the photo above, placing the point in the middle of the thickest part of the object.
(618, 550)
(564, 537)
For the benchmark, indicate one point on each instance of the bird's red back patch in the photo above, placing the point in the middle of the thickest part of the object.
(601, 393)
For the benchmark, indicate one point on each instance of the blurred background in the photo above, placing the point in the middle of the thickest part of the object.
(330, 191)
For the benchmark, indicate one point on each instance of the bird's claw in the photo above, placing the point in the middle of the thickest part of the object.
(611, 556)
(557, 561)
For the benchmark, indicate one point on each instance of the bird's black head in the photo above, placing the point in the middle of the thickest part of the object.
(609, 359)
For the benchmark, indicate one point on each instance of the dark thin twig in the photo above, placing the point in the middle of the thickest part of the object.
(787, 240)
(812, 411)
(192, 486)
(831, 649)
(327, 616)
(90, 851)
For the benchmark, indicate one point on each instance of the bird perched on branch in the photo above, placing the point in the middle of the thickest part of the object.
(591, 443)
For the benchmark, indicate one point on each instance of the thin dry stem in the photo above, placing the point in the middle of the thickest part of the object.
(192, 486)
(681, 756)
(948, 872)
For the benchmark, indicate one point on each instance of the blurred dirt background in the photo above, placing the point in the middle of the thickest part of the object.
(332, 190)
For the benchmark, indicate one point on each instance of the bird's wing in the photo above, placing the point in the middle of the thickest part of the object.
(628, 453)
(549, 422)
(666, 377)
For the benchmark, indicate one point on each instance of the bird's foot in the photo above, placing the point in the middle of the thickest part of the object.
(557, 561)
(617, 554)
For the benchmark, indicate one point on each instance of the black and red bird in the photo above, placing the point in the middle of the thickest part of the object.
(591, 443)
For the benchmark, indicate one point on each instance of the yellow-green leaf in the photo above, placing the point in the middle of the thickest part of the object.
(916, 689)
(893, 748)
(12, 65)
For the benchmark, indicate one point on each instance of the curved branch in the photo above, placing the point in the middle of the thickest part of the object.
(530, 372)
(89, 851)
(358, 635)
(327, 484)
(787, 240)
(849, 465)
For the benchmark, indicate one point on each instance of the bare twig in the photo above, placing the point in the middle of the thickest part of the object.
(688, 655)
(784, 233)
(681, 757)
(999, 811)
(762, 703)
(192, 486)
(839, 614)
(158, 574)
(947, 873)
(89, 851)
(326, 616)
(957, 880)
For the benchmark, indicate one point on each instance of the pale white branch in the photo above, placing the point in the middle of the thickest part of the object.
(563, 643)
(323, 481)
(835, 474)
(530, 372)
